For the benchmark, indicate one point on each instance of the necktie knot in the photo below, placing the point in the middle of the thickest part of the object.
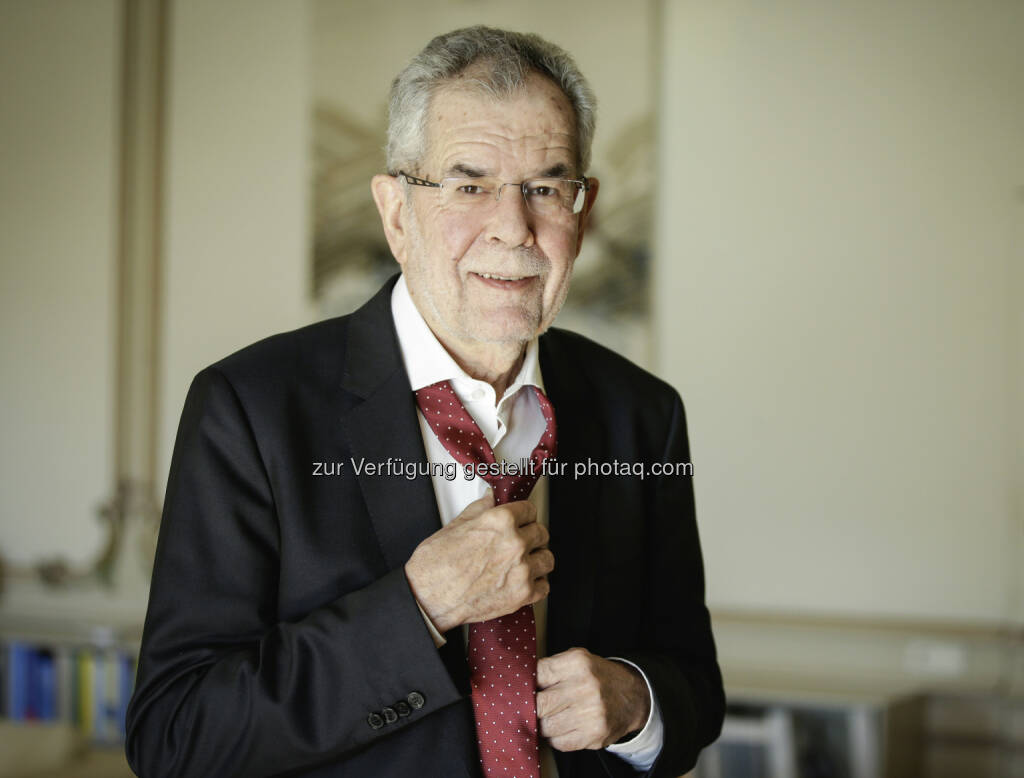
(461, 436)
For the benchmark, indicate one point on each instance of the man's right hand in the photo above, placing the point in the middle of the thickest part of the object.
(487, 562)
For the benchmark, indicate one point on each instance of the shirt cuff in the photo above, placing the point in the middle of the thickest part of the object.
(642, 750)
(439, 639)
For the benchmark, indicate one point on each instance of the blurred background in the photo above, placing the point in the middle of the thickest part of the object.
(811, 222)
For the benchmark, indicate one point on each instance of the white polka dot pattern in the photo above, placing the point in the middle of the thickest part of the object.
(502, 651)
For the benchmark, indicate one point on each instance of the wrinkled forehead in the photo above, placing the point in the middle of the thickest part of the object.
(533, 127)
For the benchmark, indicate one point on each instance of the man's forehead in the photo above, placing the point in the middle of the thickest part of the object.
(535, 122)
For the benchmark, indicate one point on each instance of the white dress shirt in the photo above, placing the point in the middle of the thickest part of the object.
(512, 425)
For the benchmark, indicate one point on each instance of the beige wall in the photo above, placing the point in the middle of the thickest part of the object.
(236, 220)
(59, 66)
(838, 288)
(235, 234)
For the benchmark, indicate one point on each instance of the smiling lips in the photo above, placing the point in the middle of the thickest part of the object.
(504, 282)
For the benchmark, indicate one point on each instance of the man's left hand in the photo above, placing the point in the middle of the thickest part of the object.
(586, 701)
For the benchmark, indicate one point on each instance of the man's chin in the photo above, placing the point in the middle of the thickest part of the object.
(505, 333)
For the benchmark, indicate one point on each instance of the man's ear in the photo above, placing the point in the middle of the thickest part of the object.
(389, 195)
(584, 215)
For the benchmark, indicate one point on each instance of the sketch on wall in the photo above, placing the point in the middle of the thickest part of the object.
(350, 256)
(608, 300)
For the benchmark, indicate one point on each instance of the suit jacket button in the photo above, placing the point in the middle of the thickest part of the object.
(375, 721)
(390, 717)
(402, 708)
(416, 700)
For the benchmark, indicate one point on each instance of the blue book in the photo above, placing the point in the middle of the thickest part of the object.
(18, 668)
(32, 684)
(4, 681)
(46, 683)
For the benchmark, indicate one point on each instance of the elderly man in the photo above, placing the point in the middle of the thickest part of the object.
(374, 526)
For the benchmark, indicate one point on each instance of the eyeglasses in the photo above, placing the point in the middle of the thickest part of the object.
(549, 198)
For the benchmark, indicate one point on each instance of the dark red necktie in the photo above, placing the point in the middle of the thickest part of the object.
(503, 651)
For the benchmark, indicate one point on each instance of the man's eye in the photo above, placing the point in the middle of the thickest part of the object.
(543, 191)
(471, 189)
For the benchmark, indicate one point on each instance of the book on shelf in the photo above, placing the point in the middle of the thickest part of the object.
(86, 685)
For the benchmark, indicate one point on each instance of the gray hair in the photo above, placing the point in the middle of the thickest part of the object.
(507, 59)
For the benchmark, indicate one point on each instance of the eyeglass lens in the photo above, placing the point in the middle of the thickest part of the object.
(544, 196)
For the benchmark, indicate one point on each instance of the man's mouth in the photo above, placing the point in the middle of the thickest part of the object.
(501, 278)
(504, 282)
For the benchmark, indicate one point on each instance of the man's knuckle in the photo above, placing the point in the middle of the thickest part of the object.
(508, 550)
(494, 517)
(520, 545)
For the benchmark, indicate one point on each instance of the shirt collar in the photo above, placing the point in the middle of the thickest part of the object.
(427, 362)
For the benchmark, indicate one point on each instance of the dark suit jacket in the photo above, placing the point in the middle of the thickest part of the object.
(280, 617)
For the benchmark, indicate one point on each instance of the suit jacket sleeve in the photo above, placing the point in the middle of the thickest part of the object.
(224, 686)
(678, 655)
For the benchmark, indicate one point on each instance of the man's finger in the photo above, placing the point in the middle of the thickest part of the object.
(555, 725)
(551, 701)
(541, 562)
(567, 664)
(541, 589)
(549, 671)
(543, 535)
(524, 511)
(535, 536)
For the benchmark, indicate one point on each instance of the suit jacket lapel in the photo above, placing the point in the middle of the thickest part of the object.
(403, 511)
(572, 502)
(383, 426)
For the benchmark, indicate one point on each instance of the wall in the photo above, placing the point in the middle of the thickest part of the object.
(235, 248)
(59, 88)
(838, 297)
(236, 251)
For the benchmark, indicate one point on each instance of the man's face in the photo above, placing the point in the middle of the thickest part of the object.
(501, 275)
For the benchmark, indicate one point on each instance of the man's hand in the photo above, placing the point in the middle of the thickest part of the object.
(586, 701)
(487, 562)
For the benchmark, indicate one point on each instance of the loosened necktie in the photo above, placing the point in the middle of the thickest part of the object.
(503, 651)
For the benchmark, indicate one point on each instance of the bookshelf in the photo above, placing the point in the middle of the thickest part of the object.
(77, 675)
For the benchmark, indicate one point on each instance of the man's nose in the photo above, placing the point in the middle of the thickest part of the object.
(510, 220)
